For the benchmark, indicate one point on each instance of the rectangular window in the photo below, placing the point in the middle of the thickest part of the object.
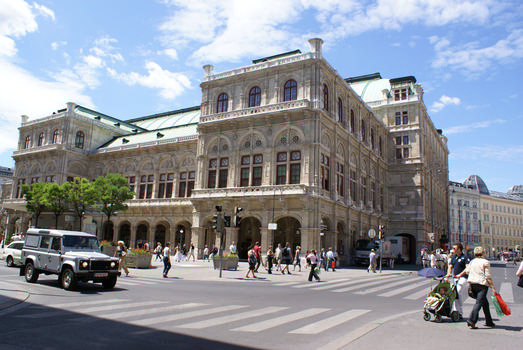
(246, 160)
(339, 178)
(131, 180)
(398, 140)
(281, 174)
(325, 172)
(212, 179)
(405, 140)
(223, 178)
(190, 183)
(364, 190)
(244, 179)
(295, 173)
(182, 189)
(405, 117)
(398, 153)
(282, 157)
(257, 176)
(398, 118)
(165, 185)
(405, 153)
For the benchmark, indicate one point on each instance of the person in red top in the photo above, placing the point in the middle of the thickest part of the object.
(257, 252)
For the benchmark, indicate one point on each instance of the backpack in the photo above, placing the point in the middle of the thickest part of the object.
(252, 258)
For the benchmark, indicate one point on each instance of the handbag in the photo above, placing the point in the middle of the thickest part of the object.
(502, 304)
(520, 282)
(496, 306)
(471, 292)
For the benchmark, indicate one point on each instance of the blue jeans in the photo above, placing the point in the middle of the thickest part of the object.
(481, 303)
(166, 265)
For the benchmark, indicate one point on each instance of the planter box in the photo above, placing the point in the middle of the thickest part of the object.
(138, 261)
(227, 263)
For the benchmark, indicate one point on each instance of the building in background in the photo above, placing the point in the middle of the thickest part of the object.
(491, 219)
(286, 138)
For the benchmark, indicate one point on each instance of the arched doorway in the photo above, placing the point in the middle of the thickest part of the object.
(288, 231)
(248, 235)
(141, 235)
(412, 247)
(124, 234)
(159, 235)
(179, 236)
(108, 231)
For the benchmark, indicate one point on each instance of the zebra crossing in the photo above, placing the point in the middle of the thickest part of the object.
(162, 315)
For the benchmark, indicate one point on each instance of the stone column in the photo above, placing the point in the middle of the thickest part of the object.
(132, 240)
(309, 239)
(231, 236)
(198, 239)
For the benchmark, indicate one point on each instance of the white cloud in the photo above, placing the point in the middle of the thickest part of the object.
(227, 30)
(497, 153)
(472, 59)
(470, 127)
(44, 11)
(57, 44)
(26, 94)
(443, 102)
(170, 84)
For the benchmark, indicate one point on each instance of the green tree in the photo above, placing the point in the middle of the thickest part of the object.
(80, 195)
(36, 199)
(56, 197)
(112, 190)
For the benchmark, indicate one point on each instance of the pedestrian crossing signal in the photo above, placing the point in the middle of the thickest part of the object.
(227, 221)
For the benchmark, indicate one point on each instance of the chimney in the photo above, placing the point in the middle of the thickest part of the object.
(207, 70)
(316, 44)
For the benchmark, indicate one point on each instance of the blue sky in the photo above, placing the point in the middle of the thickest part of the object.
(135, 58)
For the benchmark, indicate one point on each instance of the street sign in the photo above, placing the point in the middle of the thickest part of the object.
(431, 236)
(273, 226)
(372, 233)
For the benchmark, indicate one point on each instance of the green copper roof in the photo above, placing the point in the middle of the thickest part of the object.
(105, 119)
(168, 119)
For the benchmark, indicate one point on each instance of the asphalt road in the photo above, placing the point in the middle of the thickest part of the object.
(194, 309)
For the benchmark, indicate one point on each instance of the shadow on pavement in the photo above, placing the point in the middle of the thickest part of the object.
(71, 330)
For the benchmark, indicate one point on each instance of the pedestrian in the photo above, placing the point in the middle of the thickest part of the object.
(297, 259)
(286, 258)
(166, 259)
(233, 249)
(178, 254)
(307, 260)
(372, 261)
(121, 253)
(158, 251)
(251, 259)
(479, 278)
(277, 256)
(214, 251)
(270, 257)
(433, 259)
(330, 260)
(191, 252)
(206, 253)
(257, 251)
(314, 263)
(146, 246)
(457, 264)
(323, 259)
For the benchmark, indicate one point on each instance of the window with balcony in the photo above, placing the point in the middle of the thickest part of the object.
(291, 164)
(146, 187)
(27, 142)
(249, 167)
(222, 103)
(56, 136)
(290, 90)
(254, 97)
(79, 140)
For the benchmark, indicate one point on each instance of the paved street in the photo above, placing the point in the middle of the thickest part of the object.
(195, 309)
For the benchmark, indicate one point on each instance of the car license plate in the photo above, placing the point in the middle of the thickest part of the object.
(101, 274)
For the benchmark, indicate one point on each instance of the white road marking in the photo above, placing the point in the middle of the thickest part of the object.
(232, 318)
(278, 321)
(184, 315)
(327, 323)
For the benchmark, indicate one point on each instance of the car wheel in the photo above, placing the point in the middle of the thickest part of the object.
(67, 279)
(109, 283)
(31, 275)
(10, 262)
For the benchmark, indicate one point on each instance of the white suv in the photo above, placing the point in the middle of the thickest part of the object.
(73, 256)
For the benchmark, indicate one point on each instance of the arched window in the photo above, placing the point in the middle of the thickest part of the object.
(325, 97)
(290, 90)
(372, 144)
(340, 111)
(27, 142)
(41, 139)
(363, 131)
(352, 122)
(79, 140)
(254, 97)
(223, 100)
(56, 133)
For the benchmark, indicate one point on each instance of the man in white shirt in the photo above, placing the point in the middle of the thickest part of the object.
(372, 261)
(330, 259)
(233, 248)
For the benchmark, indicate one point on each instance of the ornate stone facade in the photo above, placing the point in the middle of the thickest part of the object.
(287, 139)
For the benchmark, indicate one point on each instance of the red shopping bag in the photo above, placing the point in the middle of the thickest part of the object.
(333, 264)
(502, 304)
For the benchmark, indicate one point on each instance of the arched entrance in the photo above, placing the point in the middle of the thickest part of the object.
(108, 231)
(248, 235)
(288, 231)
(124, 234)
(159, 235)
(412, 247)
(179, 235)
(141, 235)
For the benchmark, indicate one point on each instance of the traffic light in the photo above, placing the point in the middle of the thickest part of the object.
(381, 232)
(227, 221)
(237, 217)
(215, 222)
